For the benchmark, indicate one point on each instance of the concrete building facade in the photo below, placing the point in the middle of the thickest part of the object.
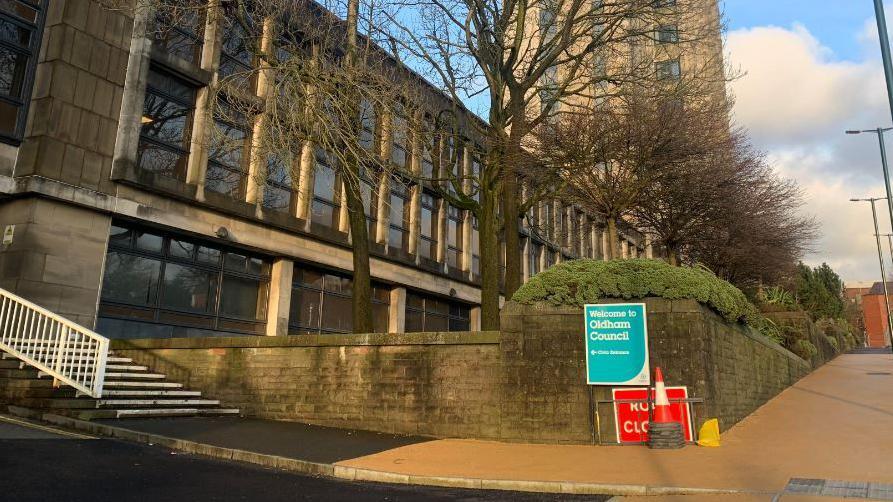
(118, 216)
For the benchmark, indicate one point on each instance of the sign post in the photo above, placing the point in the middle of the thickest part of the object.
(617, 344)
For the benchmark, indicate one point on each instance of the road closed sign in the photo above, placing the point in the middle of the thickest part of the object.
(631, 412)
(617, 344)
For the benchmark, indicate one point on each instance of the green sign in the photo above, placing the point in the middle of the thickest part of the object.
(617, 344)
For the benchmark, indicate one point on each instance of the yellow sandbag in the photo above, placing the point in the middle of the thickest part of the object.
(709, 434)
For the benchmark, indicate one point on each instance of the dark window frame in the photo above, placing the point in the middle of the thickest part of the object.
(184, 150)
(23, 102)
(454, 215)
(455, 312)
(430, 202)
(295, 326)
(219, 270)
(401, 189)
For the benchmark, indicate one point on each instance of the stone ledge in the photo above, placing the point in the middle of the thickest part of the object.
(372, 339)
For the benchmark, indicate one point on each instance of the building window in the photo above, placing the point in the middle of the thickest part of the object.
(321, 302)
(164, 279)
(398, 233)
(180, 32)
(475, 248)
(429, 218)
(453, 162)
(533, 257)
(325, 205)
(279, 186)
(236, 57)
(400, 137)
(21, 24)
(668, 34)
(428, 313)
(367, 123)
(668, 70)
(427, 139)
(166, 125)
(454, 237)
(227, 156)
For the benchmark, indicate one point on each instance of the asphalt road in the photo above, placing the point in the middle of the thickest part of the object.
(38, 465)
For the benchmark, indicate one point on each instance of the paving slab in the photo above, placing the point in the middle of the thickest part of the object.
(834, 424)
(312, 443)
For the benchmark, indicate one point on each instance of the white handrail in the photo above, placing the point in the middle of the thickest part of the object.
(68, 352)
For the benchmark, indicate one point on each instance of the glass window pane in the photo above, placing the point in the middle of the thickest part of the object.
(324, 182)
(436, 306)
(277, 199)
(223, 180)
(120, 237)
(324, 214)
(305, 306)
(235, 262)
(189, 288)
(181, 249)
(19, 9)
(148, 242)
(380, 318)
(130, 279)
(13, 66)
(208, 255)
(14, 33)
(245, 298)
(414, 321)
(166, 120)
(415, 300)
(436, 323)
(9, 117)
(459, 325)
(337, 314)
(162, 160)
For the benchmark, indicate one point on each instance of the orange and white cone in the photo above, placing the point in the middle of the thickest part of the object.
(662, 413)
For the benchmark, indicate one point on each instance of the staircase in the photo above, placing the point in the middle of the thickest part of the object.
(130, 391)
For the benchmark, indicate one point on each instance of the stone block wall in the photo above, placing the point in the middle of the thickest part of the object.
(436, 384)
(526, 383)
(42, 264)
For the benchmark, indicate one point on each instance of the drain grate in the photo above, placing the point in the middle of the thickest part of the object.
(841, 489)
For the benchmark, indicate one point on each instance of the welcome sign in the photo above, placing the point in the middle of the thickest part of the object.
(617, 344)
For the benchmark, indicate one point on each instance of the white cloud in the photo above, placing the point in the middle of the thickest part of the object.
(796, 100)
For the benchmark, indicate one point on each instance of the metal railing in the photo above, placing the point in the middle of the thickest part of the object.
(70, 353)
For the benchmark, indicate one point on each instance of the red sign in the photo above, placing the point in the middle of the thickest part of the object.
(631, 418)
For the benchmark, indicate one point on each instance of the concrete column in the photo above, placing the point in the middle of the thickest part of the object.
(415, 193)
(397, 311)
(606, 245)
(279, 299)
(384, 214)
(596, 240)
(203, 121)
(649, 249)
(475, 318)
(132, 101)
(466, 241)
(441, 230)
(343, 214)
(624, 248)
(257, 166)
(525, 261)
(305, 181)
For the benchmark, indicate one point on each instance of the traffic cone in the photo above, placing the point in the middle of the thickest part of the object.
(662, 414)
(663, 431)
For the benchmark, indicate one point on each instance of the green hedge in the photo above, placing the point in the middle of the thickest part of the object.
(580, 282)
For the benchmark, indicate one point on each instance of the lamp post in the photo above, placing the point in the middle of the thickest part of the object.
(885, 49)
(880, 256)
(884, 165)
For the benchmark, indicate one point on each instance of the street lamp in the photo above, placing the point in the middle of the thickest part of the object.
(880, 136)
(885, 49)
(880, 256)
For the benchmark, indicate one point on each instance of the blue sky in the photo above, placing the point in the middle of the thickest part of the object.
(812, 69)
(835, 22)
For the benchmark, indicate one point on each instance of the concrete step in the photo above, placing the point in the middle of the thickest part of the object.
(150, 393)
(11, 364)
(25, 383)
(112, 375)
(150, 403)
(59, 404)
(125, 367)
(118, 360)
(147, 384)
(26, 373)
(158, 412)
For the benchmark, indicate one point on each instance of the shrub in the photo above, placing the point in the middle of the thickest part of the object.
(850, 341)
(580, 282)
(834, 343)
(805, 349)
(778, 298)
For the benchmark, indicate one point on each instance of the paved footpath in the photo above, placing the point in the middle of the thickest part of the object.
(836, 424)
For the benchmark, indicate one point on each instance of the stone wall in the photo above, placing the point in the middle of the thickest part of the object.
(802, 327)
(526, 383)
(44, 265)
(437, 384)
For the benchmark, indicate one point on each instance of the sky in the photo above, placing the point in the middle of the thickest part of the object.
(811, 69)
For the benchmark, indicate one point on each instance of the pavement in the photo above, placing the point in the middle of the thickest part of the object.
(286, 439)
(41, 463)
(832, 425)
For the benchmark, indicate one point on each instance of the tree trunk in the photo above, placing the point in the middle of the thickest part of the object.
(488, 233)
(672, 256)
(510, 215)
(359, 232)
(613, 249)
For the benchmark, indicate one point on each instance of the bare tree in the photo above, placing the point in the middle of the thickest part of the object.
(530, 60)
